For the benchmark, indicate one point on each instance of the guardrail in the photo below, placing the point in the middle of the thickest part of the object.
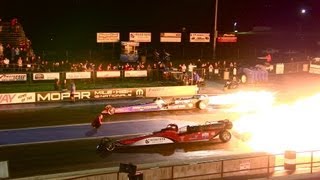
(152, 74)
(258, 166)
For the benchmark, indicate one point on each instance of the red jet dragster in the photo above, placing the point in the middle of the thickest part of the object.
(173, 134)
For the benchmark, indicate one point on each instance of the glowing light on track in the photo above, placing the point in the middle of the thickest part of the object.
(244, 101)
(283, 127)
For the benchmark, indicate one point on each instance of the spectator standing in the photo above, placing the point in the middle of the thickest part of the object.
(56, 84)
(64, 85)
(72, 91)
(1, 51)
(97, 122)
(0, 25)
(196, 78)
(20, 64)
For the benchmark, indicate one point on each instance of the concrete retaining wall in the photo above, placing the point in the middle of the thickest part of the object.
(192, 170)
(247, 166)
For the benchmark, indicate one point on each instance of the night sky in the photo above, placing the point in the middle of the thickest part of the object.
(77, 21)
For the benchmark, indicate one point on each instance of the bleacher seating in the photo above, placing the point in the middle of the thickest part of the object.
(15, 36)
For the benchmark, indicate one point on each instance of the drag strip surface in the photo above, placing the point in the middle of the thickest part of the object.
(83, 131)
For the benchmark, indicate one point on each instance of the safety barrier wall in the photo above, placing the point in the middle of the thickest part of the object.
(92, 76)
(245, 166)
(259, 165)
(152, 74)
(60, 96)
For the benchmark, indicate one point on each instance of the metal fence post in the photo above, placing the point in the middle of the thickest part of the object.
(221, 173)
(311, 162)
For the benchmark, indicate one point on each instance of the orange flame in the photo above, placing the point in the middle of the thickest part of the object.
(283, 127)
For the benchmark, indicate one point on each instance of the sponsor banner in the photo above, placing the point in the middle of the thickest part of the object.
(45, 76)
(108, 74)
(140, 36)
(14, 98)
(142, 73)
(119, 93)
(227, 38)
(60, 96)
(152, 141)
(199, 37)
(78, 75)
(108, 37)
(128, 43)
(170, 37)
(171, 91)
(13, 77)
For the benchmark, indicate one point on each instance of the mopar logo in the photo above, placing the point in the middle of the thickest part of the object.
(139, 92)
(57, 96)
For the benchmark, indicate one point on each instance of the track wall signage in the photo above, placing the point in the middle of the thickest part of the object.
(60, 96)
(199, 37)
(170, 37)
(140, 36)
(13, 77)
(110, 37)
(119, 93)
(45, 76)
(52, 96)
(108, 74)
(141, 73)
(78, 75)
(17, 98)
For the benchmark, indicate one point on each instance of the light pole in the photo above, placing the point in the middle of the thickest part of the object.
(215, 32)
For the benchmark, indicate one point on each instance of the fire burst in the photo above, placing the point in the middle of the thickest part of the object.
(283, 127)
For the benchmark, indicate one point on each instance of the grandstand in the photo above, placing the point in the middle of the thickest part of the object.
(12, 33)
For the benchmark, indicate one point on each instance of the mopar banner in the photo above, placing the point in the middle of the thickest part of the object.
(199, 37)
(14, 98)
(118, 93)
(13, 77)
(45, 76)
(60, 96)
(78, 75)
(108, 74)
(142, 73)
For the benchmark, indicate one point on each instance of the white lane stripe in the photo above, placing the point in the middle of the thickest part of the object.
(72, 139)
(67, 125)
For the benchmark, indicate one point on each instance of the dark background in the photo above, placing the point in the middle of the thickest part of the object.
(73, 24)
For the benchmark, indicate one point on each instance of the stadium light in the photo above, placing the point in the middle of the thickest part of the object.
(215, 32)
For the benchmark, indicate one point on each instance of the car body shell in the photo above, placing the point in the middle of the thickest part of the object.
(171, 134)
(196, 101)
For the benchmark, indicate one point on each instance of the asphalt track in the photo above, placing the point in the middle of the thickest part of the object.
(82, 131)
(119, 125)
(148, 122)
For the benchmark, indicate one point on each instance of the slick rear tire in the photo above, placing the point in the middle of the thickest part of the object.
(202, 105)
(225, 136)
